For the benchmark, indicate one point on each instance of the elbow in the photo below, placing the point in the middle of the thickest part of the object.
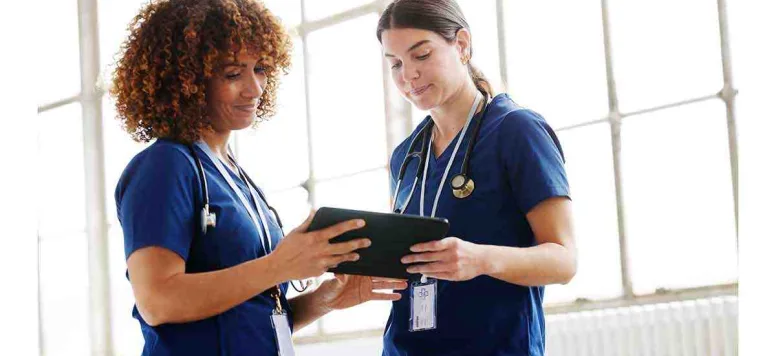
(570, 270)
(567, 275)
(152, 311)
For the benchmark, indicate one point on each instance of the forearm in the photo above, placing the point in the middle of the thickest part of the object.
(189, 297)
(308, 307)
(544, 264)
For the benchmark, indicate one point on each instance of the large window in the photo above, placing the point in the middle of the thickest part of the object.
(633, 89)
(62, 245)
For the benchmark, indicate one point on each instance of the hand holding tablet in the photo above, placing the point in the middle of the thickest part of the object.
(391, 236)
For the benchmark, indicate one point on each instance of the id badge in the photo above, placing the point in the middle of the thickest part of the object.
(282, 334)
(423, 295)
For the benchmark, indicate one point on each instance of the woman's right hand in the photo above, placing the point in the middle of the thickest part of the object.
(304, 254)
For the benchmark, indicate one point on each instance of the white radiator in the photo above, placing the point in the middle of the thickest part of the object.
(705, 327)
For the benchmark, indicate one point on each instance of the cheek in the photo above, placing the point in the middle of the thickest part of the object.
(396, 76)
(220, 96)
(449, 74)
(399, 83)
(442, 68)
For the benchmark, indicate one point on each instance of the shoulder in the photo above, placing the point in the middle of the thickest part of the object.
(164, 155)
(159, 163)
(511, 118)
(520, 128)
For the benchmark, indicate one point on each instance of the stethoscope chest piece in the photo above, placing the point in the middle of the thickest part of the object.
(462, 185)
(207, 218)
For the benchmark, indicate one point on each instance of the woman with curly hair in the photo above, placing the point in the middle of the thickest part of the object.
(212, 280)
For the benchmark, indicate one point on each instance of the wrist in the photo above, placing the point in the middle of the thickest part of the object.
(487, 264)
(322, 298)
(274, 267)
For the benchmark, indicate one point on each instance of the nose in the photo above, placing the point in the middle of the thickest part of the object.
(409, 73)
(254, 87)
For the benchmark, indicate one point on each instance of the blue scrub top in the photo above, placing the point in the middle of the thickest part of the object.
(159, 199)
(517, 162)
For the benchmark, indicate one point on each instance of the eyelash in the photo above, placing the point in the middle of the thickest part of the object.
(232, 76)
(420, 58)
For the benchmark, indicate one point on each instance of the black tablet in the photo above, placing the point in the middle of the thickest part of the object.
(391, 236)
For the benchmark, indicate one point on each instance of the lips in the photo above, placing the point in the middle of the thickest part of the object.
(419, 90)
(250, 108)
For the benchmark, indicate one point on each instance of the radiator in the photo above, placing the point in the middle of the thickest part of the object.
(705, 327)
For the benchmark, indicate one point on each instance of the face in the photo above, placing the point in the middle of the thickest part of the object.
(234, 91)
(426, 68)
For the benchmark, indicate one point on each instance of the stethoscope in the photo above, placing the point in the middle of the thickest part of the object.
(208, 218)
(462, 184)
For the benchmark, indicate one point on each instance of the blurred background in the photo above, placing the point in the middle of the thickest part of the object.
(644, 95)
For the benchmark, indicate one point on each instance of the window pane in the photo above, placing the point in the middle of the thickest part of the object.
(60, 170)
(114, 18)
(127, 338)
(64, 294)
(292, 206)
(754, 71)
(589, 166)
(481, 16)
(346, 98)
(316, 9)
(119, 150)
(554, 70)
(275, 154)
(679, 198)
(365, 191)
(289, 11)
(664, 51)
(63, 74)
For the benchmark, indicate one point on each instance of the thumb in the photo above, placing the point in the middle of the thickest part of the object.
(342, 278)
(306, 224)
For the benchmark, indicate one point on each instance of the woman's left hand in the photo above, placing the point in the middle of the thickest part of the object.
(346, 290)
(450, 259)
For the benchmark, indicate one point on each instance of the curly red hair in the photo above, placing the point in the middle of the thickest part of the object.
(172, 50)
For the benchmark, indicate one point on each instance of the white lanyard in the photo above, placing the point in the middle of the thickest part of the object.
(256, 200)
(449, 164)
(221, 169)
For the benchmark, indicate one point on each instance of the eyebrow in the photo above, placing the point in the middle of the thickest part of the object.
(416, 45)
(234, 64)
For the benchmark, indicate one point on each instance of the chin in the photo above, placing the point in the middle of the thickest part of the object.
(242, 123)
(427, 100)
(423, 103)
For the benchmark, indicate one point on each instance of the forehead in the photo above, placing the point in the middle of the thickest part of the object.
(397, 41)
(242, 57)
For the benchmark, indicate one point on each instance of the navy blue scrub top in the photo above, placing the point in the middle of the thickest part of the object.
(517, 162)
(159, 199)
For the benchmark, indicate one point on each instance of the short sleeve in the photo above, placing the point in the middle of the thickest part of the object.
(155, 201)
(533, 159)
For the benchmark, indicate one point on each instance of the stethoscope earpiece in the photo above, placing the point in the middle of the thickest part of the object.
(462, 185)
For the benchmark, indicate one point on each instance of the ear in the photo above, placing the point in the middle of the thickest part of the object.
(463, 41)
